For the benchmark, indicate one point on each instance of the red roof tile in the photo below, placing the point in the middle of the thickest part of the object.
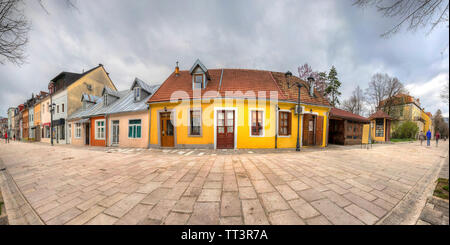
(335, 112)
(379, 114)
(250, 84)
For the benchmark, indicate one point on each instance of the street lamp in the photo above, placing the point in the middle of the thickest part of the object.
(298, 109)
(51, 107)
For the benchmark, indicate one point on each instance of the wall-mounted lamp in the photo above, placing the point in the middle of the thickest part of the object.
(165, 109)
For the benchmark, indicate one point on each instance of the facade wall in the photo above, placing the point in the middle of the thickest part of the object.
(81, 141)
(60, 131)
(45, 119)
(96, 79)
(243, 137)
(25, 124)
(94, 141)
(124, 140)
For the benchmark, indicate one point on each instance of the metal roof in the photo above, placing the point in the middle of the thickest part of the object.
(124, 103)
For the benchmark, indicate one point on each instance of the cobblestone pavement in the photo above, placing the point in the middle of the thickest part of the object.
(340, 185)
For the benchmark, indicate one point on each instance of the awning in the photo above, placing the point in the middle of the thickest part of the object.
(46, 124)
(60, 121)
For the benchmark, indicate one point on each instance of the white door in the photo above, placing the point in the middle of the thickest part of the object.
(115, 133)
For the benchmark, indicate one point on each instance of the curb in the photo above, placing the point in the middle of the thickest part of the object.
(17, 207)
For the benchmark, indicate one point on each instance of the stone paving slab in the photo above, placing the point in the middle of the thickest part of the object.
(337, 185)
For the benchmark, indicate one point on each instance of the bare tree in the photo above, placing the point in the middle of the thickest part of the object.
(320, 78)
(445, 93)
(382, 91)
(414, 13)
(14, 29)
(355, 104)
(439, 124)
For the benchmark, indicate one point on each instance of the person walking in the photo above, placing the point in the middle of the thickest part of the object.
(6, 137)
(437, 138)
(14, 136)
(421, 137)
(428, 137)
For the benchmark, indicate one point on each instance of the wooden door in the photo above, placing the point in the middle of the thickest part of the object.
(167, 130)
(308, 129)
(319, 130)
(225, 129)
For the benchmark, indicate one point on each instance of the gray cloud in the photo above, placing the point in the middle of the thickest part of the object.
(144, 39)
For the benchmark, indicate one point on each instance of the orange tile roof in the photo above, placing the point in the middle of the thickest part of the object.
(379, 114)
(251, 84)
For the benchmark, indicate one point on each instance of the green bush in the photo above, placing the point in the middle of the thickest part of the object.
(406, 130)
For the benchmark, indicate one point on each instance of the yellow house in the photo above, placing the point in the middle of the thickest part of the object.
(405, 108)
(380, 124)
(235, 109)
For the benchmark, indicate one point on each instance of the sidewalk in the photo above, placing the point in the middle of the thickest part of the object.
(436, 209)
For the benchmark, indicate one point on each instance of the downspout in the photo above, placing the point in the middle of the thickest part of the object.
(328, 128)
(149, 125)
(276, 126)
(106, 130)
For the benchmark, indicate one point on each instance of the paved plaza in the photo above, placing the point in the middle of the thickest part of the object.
(387, 184)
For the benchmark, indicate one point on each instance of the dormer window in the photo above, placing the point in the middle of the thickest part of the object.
(105, 99)
(137, 93)
(198, 81)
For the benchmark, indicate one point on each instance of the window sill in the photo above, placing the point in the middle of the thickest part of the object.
(284, 136)
(197, 136)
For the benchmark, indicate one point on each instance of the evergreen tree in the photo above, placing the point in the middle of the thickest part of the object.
(332, 90)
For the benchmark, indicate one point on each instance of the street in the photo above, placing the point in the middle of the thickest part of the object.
(338, 185)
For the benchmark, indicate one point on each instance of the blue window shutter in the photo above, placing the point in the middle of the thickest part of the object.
(138, 131)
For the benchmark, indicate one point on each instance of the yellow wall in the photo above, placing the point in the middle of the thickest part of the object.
(365, 136)
(37, 114)
(427, 122)
(97, 78)
(381, 139)
(244, 140)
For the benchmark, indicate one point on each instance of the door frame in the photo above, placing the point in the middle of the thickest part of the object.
(235, 109)
(174, 120)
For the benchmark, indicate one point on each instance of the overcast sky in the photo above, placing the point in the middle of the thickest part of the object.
(145, 38)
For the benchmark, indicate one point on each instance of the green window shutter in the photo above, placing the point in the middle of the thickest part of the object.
(130, 131)
(134, 131)
(138, 132)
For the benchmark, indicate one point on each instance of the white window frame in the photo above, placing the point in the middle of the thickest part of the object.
(189, 121)
(128, 135)
(250, 114)
(97, 137)
(77, 130)
(202, 84)
(278, 123)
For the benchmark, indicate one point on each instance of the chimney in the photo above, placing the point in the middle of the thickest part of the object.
(311, 86)
(177, 70)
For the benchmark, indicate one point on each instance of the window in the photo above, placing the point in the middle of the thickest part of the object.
(137, 93)
(195, 119)
(198, 81)
(69, 133)
(379, 127)
(105, 99)
(134, 128)
(78, 130)
(57, 109)
(284, 126)
(100, 129)
(62, 108)
(257, 123)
